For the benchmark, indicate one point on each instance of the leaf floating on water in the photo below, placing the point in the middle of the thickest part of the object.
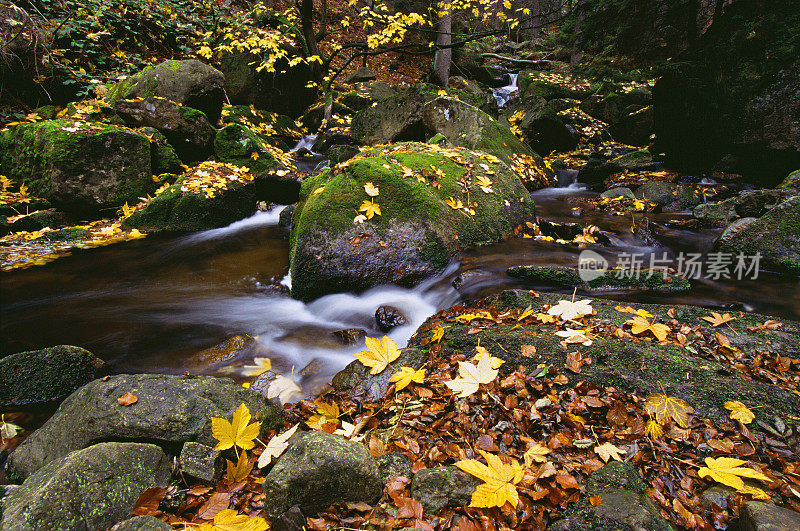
(238, 432)
(380, 354)
(8, 430)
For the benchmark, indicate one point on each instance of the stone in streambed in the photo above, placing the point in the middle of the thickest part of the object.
(86, 490)
(760, 516)
(443, 486)
(319, 469)
(200, 462)
(388, 317)
(606, 281)
(624, 503)
(170, 411)
(45, 375)
(356, 380)
(143, 523)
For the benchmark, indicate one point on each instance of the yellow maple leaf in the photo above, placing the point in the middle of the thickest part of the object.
(740, 412)
(499, 480)
(327, 413)
(471, 376)
(455, 204)
(405, 376)
(640, 325)
(569, 310)
(239, 471)
(485, 184)
(729, 471)
(609, 451)
(641, 311)
(718, 320)
(663, 408)
(230, 520)
(238, 432)
(438, 333)
(380, 354)
(535, 453)
(370, 209)
(653, 429)
(481, 352)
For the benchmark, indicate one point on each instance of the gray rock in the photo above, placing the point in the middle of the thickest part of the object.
(43, 218)
(624, 503)
(730, 232)
(393, 464)
(170, 411)
(89, 489)
(760, 516)
(618, 192)
(143, 523)
(669, 196)
(200, 462)
(187, 82)
(291, 520)
(44, 375)
(362, 74)
(186, 129)
(319, 469)
(356, 380)
(717, 495)
(443, 486)
(388, 317)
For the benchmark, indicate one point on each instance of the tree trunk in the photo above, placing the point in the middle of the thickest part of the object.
(444, 53)
(307, 22)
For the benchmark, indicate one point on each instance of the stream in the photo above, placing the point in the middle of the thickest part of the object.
(149, 305)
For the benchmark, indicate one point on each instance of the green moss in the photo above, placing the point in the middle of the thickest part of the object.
(235, 143)
(610, 280)
(63, 235)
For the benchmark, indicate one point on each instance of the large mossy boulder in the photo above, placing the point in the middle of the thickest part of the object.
(86, 490)
(775, 235)
(319, 469)
(791, 183)
(334, 249)
(187, 130)
(208, 196)
(169, 411)
(80, 167)
(188, 82)
(443, 486)
(633, 364)
(750, 204)
(44, 375)
(421, 112)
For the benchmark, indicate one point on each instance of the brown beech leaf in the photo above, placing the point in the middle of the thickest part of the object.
(618, 414)
(596, 500)
(566, 481)
(217, 503)
(128, 399)
(574, 361)
(528, 351)
(148, 501)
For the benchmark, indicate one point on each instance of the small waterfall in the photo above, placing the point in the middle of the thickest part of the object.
(305, 142)
(503, 94)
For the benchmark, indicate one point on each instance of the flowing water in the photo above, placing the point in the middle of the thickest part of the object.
(152, 304)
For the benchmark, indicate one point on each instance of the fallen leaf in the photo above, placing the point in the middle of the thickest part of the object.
(729, 472)
(470, 376)
(405, 376)
(740, 412)
(239, 471)
(535, 453)
(371, 189)
(499, 480)
(217, 503)
(640, 325)
(481, 352)
(608, 451)
(276, 446)
(663, 408)
(717, 320)
(128, 399)
(528, 351)
(283, 388)
(230, 520)
(237, 432)
(569, 310)
(595, 500)
(574, 361)
(438, 333)
(370, 209)
(575, 336)
(653, 429)
(380, 354)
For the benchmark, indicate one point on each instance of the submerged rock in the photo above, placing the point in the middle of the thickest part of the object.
(86, 490)
(45, 375)
(319, 469)
(83, 168)
(188, 82)
(388, 317)
(416, 232)
(170, 411)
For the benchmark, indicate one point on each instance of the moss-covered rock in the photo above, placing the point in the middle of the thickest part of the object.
(416, 232)
(69, 234)
(791, 183)
(754, 203)
(775, 235)
(531, 86)
(188, 82)
(624, 504)
(170, 411)
(187, 130)
(319, 469)
(277, 129)
(43, 218)
(89, 489)
(670, 196)
(143, 523)
(78, 167)
(607, 281)
(356, 380)
(197, 201)
(163, 158)
(443, 486)
(365, 94)
(638, 366)
(44, 375)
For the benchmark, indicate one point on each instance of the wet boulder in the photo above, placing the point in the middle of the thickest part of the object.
(624, 504)
(443, 486)
(670, 197)
(425, 216)
(80, 167)
(388, 317)
(356, 380)
(86, 490)
(761, 516)
(207, 196)
(38, 376)
(361, 74)
(169, 411)
(544, 129)
(43, 218)
(188, 82)
(791, 183)
(634, 127)
(775, 235)
(319, 469)
(365, 94)
(163, 157)
(187, 129)
(143, 523)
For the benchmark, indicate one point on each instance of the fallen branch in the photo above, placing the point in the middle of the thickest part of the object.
(531, 62)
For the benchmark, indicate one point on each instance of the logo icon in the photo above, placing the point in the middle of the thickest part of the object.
(591, 265)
